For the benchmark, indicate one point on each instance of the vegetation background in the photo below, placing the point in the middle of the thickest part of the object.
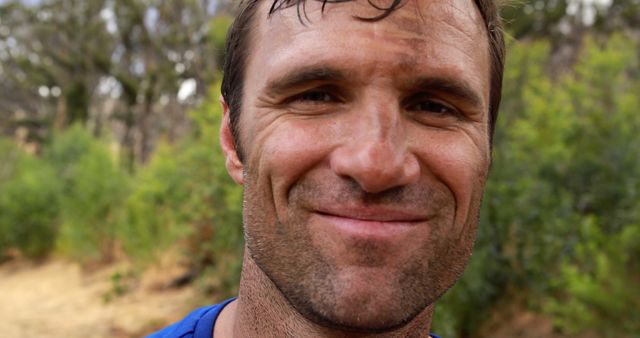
(108, 153)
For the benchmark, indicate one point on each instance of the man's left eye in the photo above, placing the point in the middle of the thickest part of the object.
(433, 107)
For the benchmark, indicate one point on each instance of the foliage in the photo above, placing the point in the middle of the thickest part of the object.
(105, 63)
(218, 35)
(185, 196)
(559, 19)
(29, 202)
(94, 187)
(524, 18)
(599, 286)
(597, 281)
(121, 283)
(77, 197)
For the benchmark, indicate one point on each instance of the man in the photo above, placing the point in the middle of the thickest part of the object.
(361, 132)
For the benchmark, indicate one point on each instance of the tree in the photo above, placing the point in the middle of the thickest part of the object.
(132, 66)
(49, 54)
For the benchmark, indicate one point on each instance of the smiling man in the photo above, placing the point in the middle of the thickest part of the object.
(361, 132)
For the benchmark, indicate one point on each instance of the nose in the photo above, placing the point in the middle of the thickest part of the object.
(375, 154)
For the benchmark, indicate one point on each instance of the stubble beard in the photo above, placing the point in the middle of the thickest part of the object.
(327, 295)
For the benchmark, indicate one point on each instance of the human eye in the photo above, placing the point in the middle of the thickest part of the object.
(314, 96)
(433, 107)
(318, 100)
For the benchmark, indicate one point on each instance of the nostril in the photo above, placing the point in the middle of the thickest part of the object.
(375, 167)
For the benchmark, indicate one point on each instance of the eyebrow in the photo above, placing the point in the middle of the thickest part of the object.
(298, 77)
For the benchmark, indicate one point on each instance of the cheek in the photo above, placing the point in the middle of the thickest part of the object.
(288, 151)
(462, 166)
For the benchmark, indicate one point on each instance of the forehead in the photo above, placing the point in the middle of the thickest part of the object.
(369, 10)
(422, 36)
(414, 17)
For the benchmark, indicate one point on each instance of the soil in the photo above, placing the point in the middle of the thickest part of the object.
(60, 299)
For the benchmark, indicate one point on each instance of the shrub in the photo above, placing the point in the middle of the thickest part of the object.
(93, 194)
(184, 197)
(597, 290)
(29, 202)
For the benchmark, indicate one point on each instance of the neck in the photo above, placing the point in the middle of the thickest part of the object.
(263, 311)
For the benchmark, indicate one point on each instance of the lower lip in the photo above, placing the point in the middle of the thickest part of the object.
(369, 229)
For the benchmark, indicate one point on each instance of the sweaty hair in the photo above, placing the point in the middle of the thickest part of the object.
(239, 36)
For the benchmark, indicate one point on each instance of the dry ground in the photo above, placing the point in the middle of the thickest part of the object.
(59, 299)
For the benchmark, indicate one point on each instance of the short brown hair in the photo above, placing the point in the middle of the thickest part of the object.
(238, 38)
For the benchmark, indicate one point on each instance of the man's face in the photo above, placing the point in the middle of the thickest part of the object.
(366, 150)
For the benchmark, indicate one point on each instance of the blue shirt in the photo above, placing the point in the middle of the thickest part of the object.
(198, 324)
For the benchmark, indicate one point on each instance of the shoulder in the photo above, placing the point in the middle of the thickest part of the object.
(197, 324)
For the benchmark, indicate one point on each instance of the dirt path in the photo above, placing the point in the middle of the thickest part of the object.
(57, 299)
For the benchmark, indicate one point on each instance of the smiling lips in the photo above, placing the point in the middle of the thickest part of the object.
(372, 223)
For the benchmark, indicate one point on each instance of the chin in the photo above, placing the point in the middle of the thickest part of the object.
(366, 302)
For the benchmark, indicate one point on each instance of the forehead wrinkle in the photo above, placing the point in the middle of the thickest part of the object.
(459, 12)
(414, 23)
(411, 17)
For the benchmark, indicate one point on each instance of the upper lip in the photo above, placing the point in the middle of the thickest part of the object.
(375, 214)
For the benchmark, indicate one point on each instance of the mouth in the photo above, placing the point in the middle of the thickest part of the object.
(371, 223)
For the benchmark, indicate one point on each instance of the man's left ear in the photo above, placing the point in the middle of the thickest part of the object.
(228, 144)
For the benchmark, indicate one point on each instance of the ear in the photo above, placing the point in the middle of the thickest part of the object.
(228, 144)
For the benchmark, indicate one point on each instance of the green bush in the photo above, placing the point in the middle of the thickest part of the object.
(184, 197)
(151, 224)
(29, 202)
(597, 290)
(8, 157)
(95, 188)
